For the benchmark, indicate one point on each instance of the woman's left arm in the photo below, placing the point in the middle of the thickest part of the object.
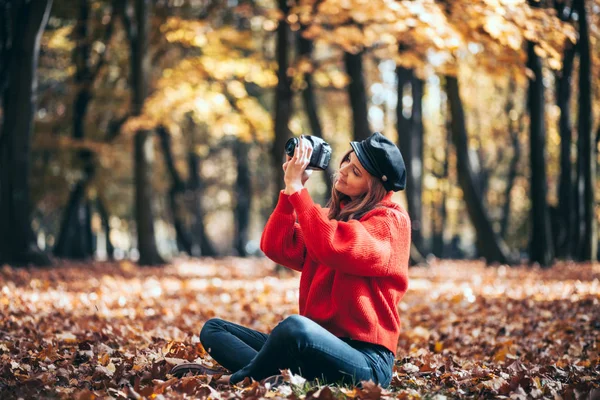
(361, 248)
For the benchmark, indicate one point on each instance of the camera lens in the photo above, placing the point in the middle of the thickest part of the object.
(290, 146)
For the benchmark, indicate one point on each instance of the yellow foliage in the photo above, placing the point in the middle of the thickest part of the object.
(60, 40)
(208, 89)
(211, 87)
(431, 33)
(188, 32)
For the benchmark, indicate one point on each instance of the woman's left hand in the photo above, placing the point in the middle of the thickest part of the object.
(296, 166)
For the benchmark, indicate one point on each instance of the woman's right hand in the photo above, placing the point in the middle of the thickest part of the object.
(307, 172)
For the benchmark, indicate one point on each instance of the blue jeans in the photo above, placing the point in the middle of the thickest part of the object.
(299, 344)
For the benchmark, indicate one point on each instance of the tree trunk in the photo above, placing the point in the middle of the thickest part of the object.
(74, 243)
(140, 58)
(483, 177)
(358, 95)
(305, 47)
(514, 162)
(196, 186)
(7, 31)
(105, 218)
(410, 142)
(587, 250)
(567, 223)
(85, 76)
(439, 245)
(19, 97)
(243, 189)
(144, 158)
(283, 100)
(73, 231)
(489, 245)
(183, 237)
(415, 175)
(140, 68)
(541, 250)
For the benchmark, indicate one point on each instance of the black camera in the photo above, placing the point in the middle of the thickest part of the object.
(321, 151)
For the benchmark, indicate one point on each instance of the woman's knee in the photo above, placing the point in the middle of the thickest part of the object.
(209, 328)
(294, 327)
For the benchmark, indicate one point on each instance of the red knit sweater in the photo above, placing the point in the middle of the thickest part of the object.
(353, 273)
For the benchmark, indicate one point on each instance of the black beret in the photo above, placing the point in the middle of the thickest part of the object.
(382, 159)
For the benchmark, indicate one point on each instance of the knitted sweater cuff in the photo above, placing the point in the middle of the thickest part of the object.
(301, 201)
(283, 204)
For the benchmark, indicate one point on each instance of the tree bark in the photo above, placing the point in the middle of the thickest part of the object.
(489, 244)
(140, 68)
(144, 158)
(76, 226)
(105, 218)
(73, 231)
(514, 162)
(196, 186)
(243, 189)
(410, 141)
(24, 23)
(541, 249)
(6, 32)
(74, 243)
(587, 250)
(564, 237)
(483, 178)
(438, 242)
(283, 100)
(191, 238)
(183, 237)
(309, 100)
(358, 95)
(140, 58)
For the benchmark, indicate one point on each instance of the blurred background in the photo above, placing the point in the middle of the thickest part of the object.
(147, 130)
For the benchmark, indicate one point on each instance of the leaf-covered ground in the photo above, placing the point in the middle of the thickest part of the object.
(113, 330)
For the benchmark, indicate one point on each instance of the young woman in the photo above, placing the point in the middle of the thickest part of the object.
(353, 257)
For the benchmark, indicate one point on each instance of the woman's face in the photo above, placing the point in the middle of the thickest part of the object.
(353, 179)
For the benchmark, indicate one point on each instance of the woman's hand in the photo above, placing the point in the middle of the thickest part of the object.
(296, 174)
(305, 175)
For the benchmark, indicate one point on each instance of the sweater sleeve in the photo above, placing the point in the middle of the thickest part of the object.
(282, 239)
(355, 247)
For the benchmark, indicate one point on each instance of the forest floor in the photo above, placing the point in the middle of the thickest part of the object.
(114, 330)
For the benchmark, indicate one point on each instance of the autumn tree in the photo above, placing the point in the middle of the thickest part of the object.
(75, 237)
(514, 122)
(490, 245)
(144, 153)
(21, 26)
(205, 99)
(586, 148)
(564, 235)
(410, 140)
(506, 35)
(541, 249)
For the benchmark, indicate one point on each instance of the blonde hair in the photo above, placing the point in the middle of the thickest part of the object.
(355, 209)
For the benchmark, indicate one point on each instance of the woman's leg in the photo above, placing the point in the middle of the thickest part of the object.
(305, 347)
(231, 345)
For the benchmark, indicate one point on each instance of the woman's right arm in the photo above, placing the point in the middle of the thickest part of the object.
(282, 239)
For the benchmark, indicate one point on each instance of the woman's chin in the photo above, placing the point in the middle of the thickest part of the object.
(339, 186)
